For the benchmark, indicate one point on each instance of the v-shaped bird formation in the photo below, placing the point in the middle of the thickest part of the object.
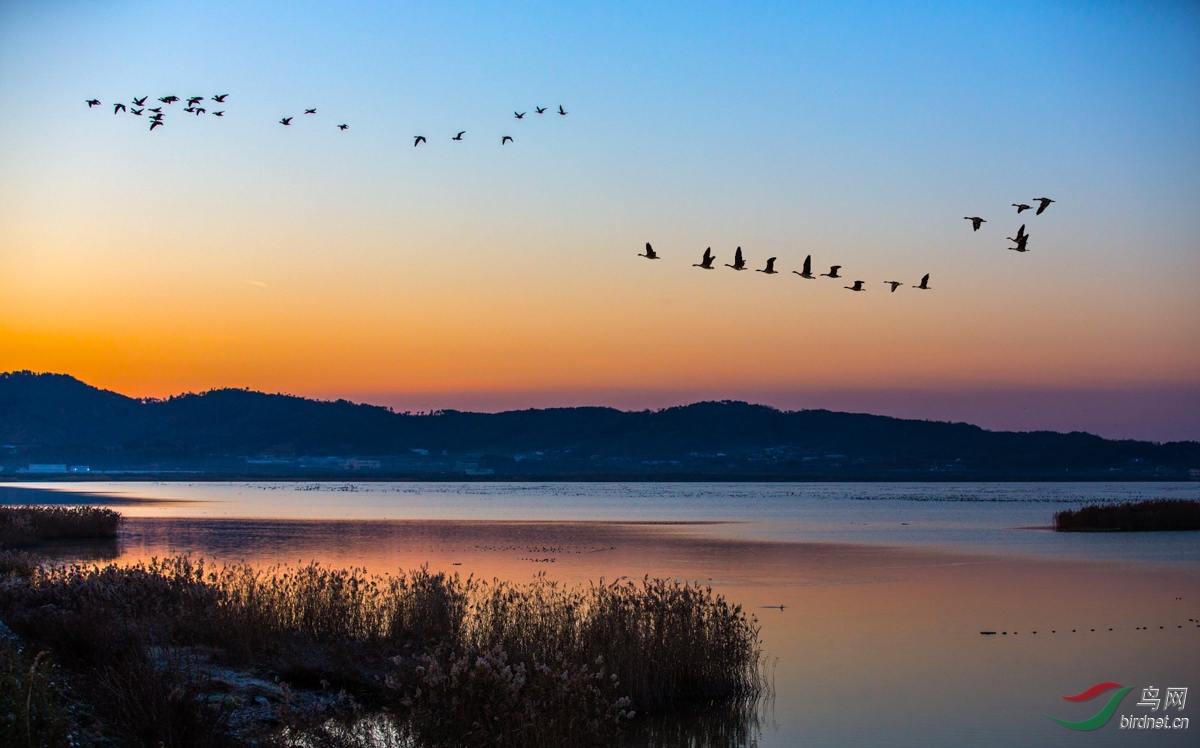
(158, 118)
(739, 260)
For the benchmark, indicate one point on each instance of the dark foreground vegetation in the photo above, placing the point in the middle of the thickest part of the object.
(27, 525)
(179, 653)
(1155, 514)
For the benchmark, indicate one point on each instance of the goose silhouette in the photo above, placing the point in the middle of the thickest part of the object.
(833, 272)
(650, 253)
(770, 268)
(220, 98)
(976, 221)
(807, 273)
(343, 126)
(924, 285)
(506, 139)
(460, 134)
(858, 286)
(705, 262)
(141, 101)
(418, 140)
(285, 121)
(93, 102)
(894, 285)
(738, 262)
(562, 111)
(1021, 206)
(1045, 203)
(540, 109)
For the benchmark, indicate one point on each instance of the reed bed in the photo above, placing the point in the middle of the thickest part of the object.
(27, 525)
(459, 661)
(1131, 516)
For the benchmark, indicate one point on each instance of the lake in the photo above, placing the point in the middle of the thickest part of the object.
(885, 588)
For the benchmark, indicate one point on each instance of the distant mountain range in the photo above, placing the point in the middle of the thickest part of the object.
(51, 422)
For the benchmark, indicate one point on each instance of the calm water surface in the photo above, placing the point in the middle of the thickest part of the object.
(885, 587)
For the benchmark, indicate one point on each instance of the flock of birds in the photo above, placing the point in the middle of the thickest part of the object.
(739, 262)
(157, 116)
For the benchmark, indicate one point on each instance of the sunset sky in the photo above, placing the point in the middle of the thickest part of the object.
(303, 259)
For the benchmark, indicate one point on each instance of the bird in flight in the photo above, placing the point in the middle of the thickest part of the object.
(706, 261)
(1021, 206)
(520, 115)
(418, 140)
(1020, 237)
(650, 253)
(93, 102)
(194, 100)
(199, 111)
(219, 114)
(738, 262)
(220, 99)
(976, 221)
(858, 286)
(343, 127)
(168, 99)
(285, 121)
(156, 110)
(1045, 203)
(506, 139)
(460, 134)
(141, 101)
(155, 123)
(833, 272)
(561, 110)
(138, 112)
(118, 108)
(807, 272)
(924, 283)
(770, 268)
(310, 111)
(540, 109)
(158, 117)
(894, 285)
(189, 109)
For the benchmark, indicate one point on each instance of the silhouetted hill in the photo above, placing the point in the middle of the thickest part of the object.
(53, 418)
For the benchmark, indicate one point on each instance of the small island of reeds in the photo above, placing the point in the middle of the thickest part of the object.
(1131, 516)
(29, 525)
(182, 653)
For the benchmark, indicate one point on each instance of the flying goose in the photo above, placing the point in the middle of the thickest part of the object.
(93, 102)
(520, 115)
(1020, 237)
(650, 253)
(506, 139)
(1045, 203)
(707, 260)
(770, 268)
(343, 126)
(219, 114)
(1021, 206)
(194, 100)
(141, 101)
(561, 110)
(418, 140)
(976, 221)
(220, 98)
(738, 262)
(460, 134)
(155, 123)
(858, 286)
(540, 109)
(138, 112)
(310, 111)
(168, 99)
(118, 108)
(285, 121)
(807, 273)
(924, 283)
(833, 272)
(894, 285)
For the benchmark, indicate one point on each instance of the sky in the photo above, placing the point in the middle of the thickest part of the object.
(236, 252)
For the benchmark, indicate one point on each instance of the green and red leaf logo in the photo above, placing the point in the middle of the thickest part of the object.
(1100, 718)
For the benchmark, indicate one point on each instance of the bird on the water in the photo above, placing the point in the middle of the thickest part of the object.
(650, 253)
(739, 263)
(807, 272)
(833, 272)
(706, 261)
(976, 221)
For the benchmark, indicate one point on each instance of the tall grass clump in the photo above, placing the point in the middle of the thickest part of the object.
(32, 710)
(26, 525)
(1131, 516)
(459, 662)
